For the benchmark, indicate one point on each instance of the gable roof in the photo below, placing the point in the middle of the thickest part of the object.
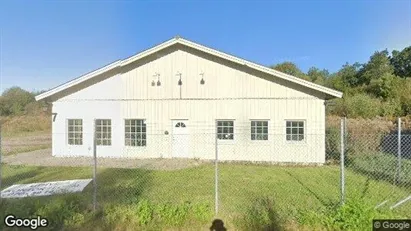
(196, 46)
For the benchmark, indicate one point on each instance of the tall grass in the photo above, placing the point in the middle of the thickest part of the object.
(18, 125)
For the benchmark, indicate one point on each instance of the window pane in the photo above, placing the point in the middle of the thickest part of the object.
(253, 130)
(300, 137)
(288, 124)
(301, 124)
(252, 137)
(301, 130)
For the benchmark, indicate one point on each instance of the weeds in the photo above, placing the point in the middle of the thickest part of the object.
(355, 214)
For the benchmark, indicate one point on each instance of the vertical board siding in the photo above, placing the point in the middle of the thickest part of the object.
(228, 93)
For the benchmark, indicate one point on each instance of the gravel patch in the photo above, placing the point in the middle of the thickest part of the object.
(44, 158)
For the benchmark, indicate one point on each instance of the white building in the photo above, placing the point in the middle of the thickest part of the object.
(168, 101)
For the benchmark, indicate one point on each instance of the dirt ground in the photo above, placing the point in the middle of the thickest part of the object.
(44, 158)
(12, 145)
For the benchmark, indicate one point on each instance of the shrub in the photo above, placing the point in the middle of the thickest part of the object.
(391, 107)
(354, 215)
(362, 105)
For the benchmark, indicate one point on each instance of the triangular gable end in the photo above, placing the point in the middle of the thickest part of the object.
(330, 93)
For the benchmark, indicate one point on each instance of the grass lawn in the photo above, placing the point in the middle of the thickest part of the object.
(292, 191)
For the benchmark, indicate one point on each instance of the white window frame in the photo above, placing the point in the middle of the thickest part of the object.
(304, 127)
(103, 139)
(233, 129)
(255, 132)
(77, 130)
(140, 129)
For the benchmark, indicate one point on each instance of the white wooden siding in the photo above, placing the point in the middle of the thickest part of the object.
(229, 92)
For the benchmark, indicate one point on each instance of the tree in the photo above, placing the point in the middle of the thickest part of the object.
(349, 74)
(384, 87)
(291, 69)
(401, 61)
(378, 66)
(318, 76)
(14, 100)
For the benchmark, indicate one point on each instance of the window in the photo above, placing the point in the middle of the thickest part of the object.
(295, 130)
(180, 124)
(259, 130)
(225, 130)
(103, 132)
(135, 132)
(75, 132)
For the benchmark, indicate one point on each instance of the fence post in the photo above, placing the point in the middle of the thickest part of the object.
(399, 152)
(95, 167)
(216, 170)
(342, 164)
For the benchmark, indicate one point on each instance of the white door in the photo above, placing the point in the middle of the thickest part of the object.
(180, 139)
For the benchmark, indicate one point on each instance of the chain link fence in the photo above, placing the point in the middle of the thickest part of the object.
(251, 176)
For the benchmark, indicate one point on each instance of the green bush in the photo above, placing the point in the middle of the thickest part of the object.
(362, 105)
(354, 215)
(391, 107)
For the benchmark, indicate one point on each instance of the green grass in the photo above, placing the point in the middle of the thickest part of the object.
(166, 197)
